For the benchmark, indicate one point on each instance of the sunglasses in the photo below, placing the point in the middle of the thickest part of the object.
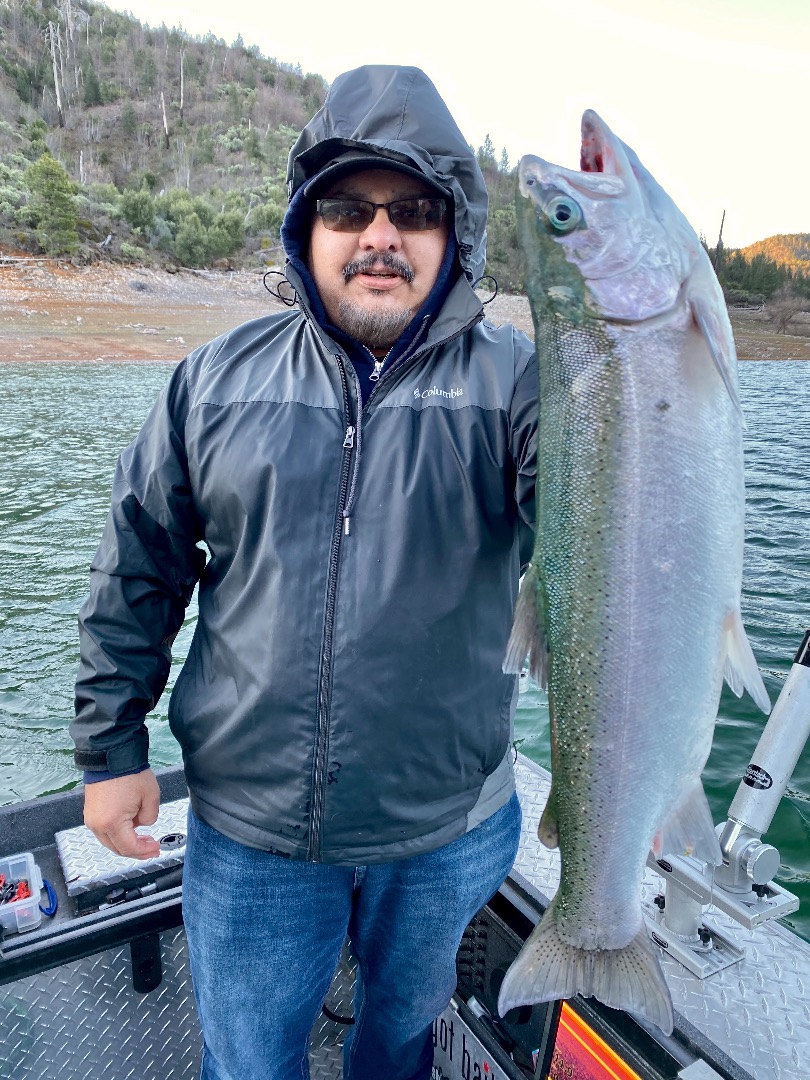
(407, 215)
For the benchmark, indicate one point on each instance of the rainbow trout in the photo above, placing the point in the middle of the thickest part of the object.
(630, 610)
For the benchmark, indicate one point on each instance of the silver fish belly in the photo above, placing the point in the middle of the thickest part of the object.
(630, 611)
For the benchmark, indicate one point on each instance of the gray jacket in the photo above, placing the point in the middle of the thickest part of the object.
(343, 698)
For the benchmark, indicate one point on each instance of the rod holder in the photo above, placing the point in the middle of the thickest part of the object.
(747, 862)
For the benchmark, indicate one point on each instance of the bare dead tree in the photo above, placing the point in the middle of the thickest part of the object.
(51, 35)
(784, 306)
(165, 121)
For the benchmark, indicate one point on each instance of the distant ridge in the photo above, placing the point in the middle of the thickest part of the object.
(785, 249)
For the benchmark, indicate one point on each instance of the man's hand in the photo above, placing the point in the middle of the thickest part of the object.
(112, 809)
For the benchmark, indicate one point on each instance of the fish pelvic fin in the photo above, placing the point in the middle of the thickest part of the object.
(548, 831)
(527, 638)
(689, 829)
(741, 671)
(548, 969)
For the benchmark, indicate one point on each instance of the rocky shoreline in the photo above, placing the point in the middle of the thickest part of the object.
(55, 311)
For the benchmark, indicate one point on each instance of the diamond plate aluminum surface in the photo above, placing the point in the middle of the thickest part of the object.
(87, 864)
(84, 1020)
(756, 1011)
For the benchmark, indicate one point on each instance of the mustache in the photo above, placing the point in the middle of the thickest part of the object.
(374, 260)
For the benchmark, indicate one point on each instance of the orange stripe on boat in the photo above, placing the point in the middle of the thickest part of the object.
(579, 1052)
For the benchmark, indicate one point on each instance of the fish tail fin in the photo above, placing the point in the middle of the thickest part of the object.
(741, 671)
(548, 969)
(527, 638)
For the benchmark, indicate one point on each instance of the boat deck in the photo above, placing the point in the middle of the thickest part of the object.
(757, 1011)
(82, 1019)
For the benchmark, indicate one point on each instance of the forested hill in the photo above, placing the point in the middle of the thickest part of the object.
(125, 142)
(786, 249)
(128, 142)
(163, 137)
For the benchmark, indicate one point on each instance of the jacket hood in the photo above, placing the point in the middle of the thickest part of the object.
(396, 114)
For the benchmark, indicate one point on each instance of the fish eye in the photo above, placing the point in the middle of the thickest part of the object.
(563, 214)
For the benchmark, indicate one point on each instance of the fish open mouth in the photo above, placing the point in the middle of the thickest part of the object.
(595, 155)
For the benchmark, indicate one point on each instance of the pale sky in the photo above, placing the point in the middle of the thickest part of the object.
(711, 94)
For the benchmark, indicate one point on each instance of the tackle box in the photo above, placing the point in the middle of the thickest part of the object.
(21, 915)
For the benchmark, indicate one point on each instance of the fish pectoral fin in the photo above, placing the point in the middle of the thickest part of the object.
(547, 969)
(740, 670)
(527, 638)
(718, 336)
(548, 831)
(689, 829)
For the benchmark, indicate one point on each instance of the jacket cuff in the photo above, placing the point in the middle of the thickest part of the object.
(97, 777)
(118, 760)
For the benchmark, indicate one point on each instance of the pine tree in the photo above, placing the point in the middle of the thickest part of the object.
(53, 206)
(92, 89)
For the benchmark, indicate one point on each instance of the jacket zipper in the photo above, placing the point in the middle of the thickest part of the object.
(341, 524)
(324, 690)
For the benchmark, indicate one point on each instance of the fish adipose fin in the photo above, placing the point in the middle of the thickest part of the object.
(741, 671)
(548, 969)
(720, 341)
(689, 829)
(527, 639)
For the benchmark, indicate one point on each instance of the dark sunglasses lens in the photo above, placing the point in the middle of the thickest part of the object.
(408, 215)
(345, 215)
(416, 215)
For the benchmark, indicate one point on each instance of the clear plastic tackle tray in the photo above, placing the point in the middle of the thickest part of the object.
(20, 915)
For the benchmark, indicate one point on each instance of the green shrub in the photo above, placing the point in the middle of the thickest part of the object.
(132, 252)
(138, 208)
(191, 243)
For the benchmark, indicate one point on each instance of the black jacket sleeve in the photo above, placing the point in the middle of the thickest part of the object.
(142, 579)
(523, 436)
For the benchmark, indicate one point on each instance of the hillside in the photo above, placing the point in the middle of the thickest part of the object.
(787, 249)
(125, 143)
(163, 142)
(150, 146)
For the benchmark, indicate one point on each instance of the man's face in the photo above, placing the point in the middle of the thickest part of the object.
(373, 282)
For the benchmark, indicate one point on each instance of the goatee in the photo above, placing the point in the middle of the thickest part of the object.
(374, 329)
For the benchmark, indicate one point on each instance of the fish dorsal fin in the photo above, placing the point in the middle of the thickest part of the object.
(709, 312)
(740, 670)
(689, 829)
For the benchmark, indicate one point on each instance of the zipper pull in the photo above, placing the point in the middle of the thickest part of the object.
(348, 442)
(377, 369)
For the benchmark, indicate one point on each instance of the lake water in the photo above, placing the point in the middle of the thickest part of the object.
(61, 428)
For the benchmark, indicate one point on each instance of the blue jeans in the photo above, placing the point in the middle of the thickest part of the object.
(265, 935)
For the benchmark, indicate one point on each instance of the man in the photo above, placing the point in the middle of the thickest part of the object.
(361, 472)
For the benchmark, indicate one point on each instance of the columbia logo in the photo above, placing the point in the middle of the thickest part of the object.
(435, 391)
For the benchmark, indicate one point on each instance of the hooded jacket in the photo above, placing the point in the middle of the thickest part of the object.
(342, 699)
